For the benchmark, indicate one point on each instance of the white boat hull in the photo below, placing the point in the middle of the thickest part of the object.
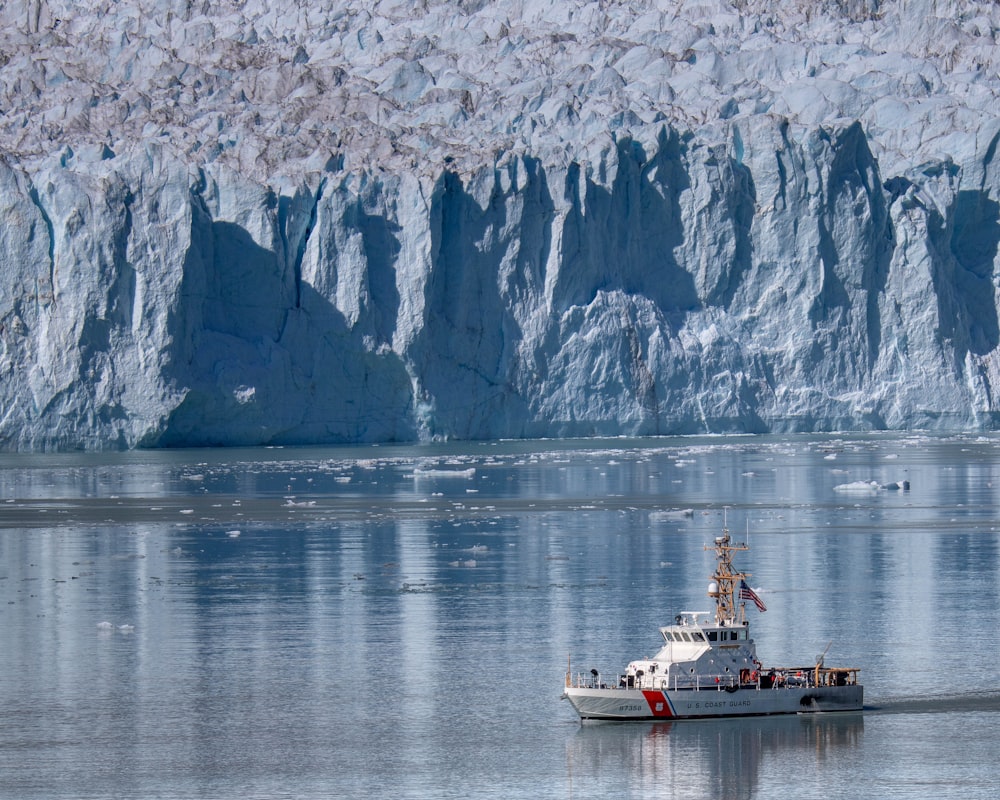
(662, 704)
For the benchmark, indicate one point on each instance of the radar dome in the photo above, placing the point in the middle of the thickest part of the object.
(713, 589)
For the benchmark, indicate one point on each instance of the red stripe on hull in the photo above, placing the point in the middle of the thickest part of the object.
(658, 703)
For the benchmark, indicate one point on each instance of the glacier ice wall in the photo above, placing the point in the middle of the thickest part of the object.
(346, 225)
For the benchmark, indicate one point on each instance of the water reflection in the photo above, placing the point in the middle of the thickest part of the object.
(396, 621)
(710, 758)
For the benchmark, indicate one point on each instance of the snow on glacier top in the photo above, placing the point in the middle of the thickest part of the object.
(282, 88)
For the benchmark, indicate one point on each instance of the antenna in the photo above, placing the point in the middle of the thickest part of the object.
(725, 581)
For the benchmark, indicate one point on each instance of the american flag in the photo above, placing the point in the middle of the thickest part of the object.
(746, 593)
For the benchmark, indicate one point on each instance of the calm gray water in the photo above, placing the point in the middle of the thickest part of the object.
(396, 622)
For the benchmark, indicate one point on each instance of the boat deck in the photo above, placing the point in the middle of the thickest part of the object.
(774, 678)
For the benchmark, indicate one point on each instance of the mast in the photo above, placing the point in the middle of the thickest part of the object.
(725, 582)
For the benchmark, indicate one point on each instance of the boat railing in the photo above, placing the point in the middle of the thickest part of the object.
(586, 681)
(699, 683)
(776, 678)
(720, 682)
(813, 675)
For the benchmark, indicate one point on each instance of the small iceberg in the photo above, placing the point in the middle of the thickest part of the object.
(857, 487)
(871, 487)
(444, 473)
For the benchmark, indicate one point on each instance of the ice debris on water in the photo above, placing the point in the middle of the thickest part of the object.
(444, 473)
(871, 487)
(104, 627)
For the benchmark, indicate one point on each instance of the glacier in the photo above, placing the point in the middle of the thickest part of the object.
(242, 223)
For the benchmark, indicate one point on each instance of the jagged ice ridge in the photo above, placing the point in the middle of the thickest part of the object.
(240, 223)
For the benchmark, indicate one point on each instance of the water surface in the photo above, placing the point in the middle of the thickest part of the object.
(396, 621)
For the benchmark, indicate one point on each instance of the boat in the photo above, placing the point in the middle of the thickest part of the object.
(707, 667)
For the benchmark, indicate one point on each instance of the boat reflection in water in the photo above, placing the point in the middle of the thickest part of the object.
(725, 758)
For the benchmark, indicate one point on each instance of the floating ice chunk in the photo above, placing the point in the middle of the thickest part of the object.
(444, 473)
(870, 487)
(244, 394)
(857, 487)
(104, 625)
(126, 628)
